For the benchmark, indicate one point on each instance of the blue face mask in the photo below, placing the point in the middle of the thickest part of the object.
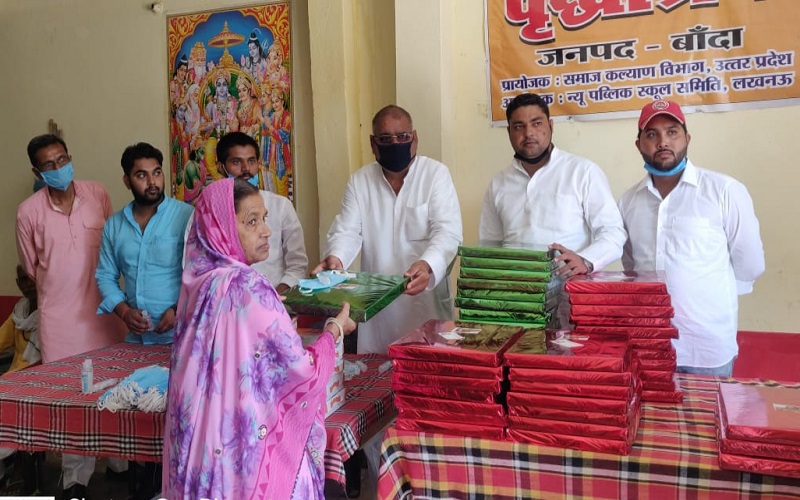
(323, 281)
(253, 181)
(660, 173)
(60, 178)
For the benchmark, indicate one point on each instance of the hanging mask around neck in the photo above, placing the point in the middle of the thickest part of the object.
(323, 281)
(661, 173)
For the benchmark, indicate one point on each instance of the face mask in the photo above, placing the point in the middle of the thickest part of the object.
(534, 160)
(253, 181)
(60, 178)
(660, 173)
(323, 281)
(395, 157)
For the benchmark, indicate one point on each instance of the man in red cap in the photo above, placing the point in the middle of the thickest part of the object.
(699, 227)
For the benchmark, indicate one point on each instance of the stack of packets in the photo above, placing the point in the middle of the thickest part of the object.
(506, 283)
(367, 293)
(759, 429)
(635, 305)
(573, 391)
(447, 377)
(309, 332)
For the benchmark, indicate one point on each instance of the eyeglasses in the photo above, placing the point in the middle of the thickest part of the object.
(52, 165)
(386, 139)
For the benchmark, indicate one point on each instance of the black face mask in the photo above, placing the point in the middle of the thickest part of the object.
(535, 160)
(395, 157)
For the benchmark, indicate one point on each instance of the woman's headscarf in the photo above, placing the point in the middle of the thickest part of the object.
(243, 393)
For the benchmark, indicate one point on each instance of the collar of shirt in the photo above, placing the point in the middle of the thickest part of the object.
(517, 163)
(689, 177)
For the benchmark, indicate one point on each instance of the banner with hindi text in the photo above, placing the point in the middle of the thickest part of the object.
(597, 59)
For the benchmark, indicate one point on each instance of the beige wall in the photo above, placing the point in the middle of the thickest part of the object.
(97, 67)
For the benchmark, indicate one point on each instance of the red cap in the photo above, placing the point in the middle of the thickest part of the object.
(656, 108)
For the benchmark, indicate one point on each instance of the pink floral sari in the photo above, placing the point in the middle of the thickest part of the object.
(245, 417)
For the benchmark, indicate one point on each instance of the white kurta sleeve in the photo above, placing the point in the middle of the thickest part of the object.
(744, 237)
(604, 221)
(445, 226)
(294, 247)
(344, 236)
(491, 225)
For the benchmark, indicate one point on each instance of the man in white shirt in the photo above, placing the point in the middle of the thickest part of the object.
(550, 197)
(238, 156)
(402, 213)
(700, 228)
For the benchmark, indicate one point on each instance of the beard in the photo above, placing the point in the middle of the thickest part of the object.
(145, 199)
(668, 164)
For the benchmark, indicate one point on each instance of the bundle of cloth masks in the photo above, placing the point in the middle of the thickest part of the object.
(145, 389)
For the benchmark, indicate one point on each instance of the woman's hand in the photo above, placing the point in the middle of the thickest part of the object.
(341, 324)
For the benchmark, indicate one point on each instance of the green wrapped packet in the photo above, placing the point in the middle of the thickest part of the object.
(506, 250)
(481, 315)
(524, 324)
(509, 295)
(517, 286)
(517, 265)
(505, 274)
(367, 293)
(501, 305)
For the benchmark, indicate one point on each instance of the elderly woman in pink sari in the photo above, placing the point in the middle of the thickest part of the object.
(245, 417)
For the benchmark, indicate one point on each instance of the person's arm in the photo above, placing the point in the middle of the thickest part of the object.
(26, 248)
(628, 263)
(490, 227)
(294, 247)
(604, 221)
(108, 272)
(744, 237)
(444, 214)
(344, 236)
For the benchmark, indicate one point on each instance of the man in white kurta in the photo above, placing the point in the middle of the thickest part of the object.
(402, 213)
(550, 197)
(700, 228)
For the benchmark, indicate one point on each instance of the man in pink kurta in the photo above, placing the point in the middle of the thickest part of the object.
(59, 229)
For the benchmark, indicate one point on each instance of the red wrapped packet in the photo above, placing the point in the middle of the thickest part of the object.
(623, 311)
(447, 369)
(412, 380)
(453, 393)
(569, 352)
(637, 282)
(465, 407)
(620, 299)
(612, 446)
(669, 355)
(456, 342)
(570, 377)
(633, 332)
(612, 406)
(763, 414)
(452, 416)
(590, 417)
(658, 364)
(657, 375)
(662, 396)
(664, 386)
(577, 390)
(455, 429)
(616, 321)
(655, 344)
(759, 465)
(575, 428)
(783, 452)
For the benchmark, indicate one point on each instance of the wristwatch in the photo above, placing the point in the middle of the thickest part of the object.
(589, 266)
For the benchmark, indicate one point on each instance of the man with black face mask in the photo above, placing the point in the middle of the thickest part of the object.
(402, 213)
(550, 197)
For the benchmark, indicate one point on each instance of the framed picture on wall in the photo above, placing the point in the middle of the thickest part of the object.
(230, 71)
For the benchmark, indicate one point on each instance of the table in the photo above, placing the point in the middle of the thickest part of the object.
(674, 456)
(42, 408)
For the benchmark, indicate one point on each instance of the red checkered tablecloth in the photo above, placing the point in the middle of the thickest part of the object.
(674, 457)
(42, 408)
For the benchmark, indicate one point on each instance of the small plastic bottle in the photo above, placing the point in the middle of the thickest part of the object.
(87, 376)
(146, 316)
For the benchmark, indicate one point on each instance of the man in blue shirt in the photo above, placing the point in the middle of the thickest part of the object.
(143, 243)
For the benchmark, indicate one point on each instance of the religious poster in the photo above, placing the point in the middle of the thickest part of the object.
(229, 71)
(595, 59)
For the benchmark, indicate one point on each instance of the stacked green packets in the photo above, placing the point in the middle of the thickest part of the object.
(508, 283)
